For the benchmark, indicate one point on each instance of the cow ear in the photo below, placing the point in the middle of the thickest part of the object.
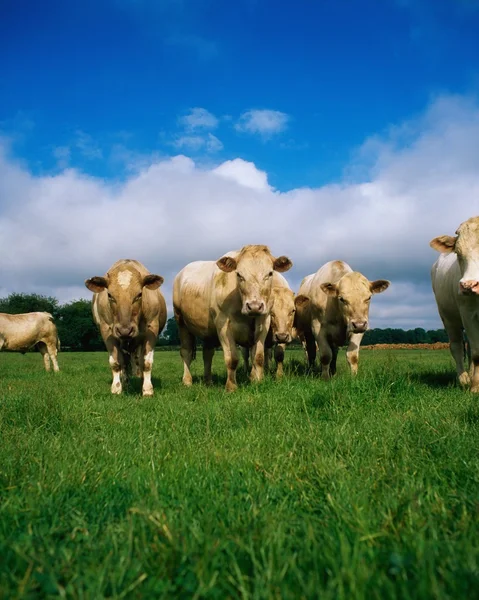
(329, 289)
(378, 286)
(444, 243)
(96, 284)
(152, 282)
(282, 264)
(227, 264)
(301, 301)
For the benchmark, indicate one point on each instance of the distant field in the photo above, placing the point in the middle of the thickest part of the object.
(365, 488)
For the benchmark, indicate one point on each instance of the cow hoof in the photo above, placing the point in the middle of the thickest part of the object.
(208, 382)
(231, 387)
(325, 376)
(116, 389)
(188, 382)
(464, 379)
(148, 392)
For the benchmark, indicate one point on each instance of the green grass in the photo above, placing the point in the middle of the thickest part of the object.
(365, 488)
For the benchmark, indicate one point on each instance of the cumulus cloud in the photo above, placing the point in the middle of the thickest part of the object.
(262, 122)
(417, 181)
(198, 118)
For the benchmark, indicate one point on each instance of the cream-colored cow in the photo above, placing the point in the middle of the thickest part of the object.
(332, 309)
(227, 302)
(130, 312)
(281, 328)
(19, 333)
(455, 281)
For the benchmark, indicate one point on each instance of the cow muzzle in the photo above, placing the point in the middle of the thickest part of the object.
(282, 338)
(254, 308)
(358, 326)
(469, 287)
(125, 332)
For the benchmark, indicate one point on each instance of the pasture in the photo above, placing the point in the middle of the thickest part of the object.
(365, 488)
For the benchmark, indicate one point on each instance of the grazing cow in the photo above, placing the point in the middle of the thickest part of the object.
(130, 312)
(332, 309)
(455, 281)
(281, 328)
(226, 302)
(18, 333)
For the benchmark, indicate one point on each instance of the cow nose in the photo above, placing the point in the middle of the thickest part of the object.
(255, 307)
(359, 326)
(469, 286)
(123, 331)
(282, 338)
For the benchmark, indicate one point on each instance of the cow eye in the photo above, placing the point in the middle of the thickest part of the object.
(341, 299)
(137, 297)
(240, 277)
(110, 298)
(368, 299)
(293, 311)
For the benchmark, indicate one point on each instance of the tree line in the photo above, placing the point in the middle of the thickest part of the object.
(77, 331)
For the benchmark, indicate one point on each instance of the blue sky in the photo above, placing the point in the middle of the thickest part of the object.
(177, 130)
(93, 84)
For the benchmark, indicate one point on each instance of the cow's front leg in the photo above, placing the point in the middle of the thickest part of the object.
(279, 358)
(230, 353)
(352, 353)
(326, 356)
(116, 364)
(147, 363)
(258, 350)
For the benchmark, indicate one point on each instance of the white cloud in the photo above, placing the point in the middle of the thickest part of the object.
(262, 122)
(243, 172)
(194, 143)
(198, 118)
(87, 146)
(418, 181)
(62, 155)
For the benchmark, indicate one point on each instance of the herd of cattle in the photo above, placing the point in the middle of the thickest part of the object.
(243, 300)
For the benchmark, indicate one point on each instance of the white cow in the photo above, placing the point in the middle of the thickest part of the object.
(455, 281)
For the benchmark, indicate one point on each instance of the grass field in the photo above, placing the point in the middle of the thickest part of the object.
(365, 488)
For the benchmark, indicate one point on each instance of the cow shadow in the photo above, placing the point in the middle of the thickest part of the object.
(134, 386)
(436, 380)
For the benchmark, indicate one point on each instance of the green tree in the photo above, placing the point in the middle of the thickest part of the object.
(16, 304)
(76, 328)
(170, 335)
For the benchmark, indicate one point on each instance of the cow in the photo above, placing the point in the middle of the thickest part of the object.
(455, 282)
(19, 333)
(332, 309)
(130, 312)
(281, 328)
(225, 303)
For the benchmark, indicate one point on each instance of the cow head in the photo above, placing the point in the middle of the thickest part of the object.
(466, 246)
(282, 315)
(124, 288)
(353, 293)
(254, 266)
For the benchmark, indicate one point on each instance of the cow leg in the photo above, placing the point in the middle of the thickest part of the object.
(332, 366)
(148, 354)
(258, 350)
(52, 351)
(352, 353)
(279, 358)
(208, 353)
(245, 353)
(42, 348)
(116, 364)
(456, 346)
(187, 351)
(230, 353)
(326, 356)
